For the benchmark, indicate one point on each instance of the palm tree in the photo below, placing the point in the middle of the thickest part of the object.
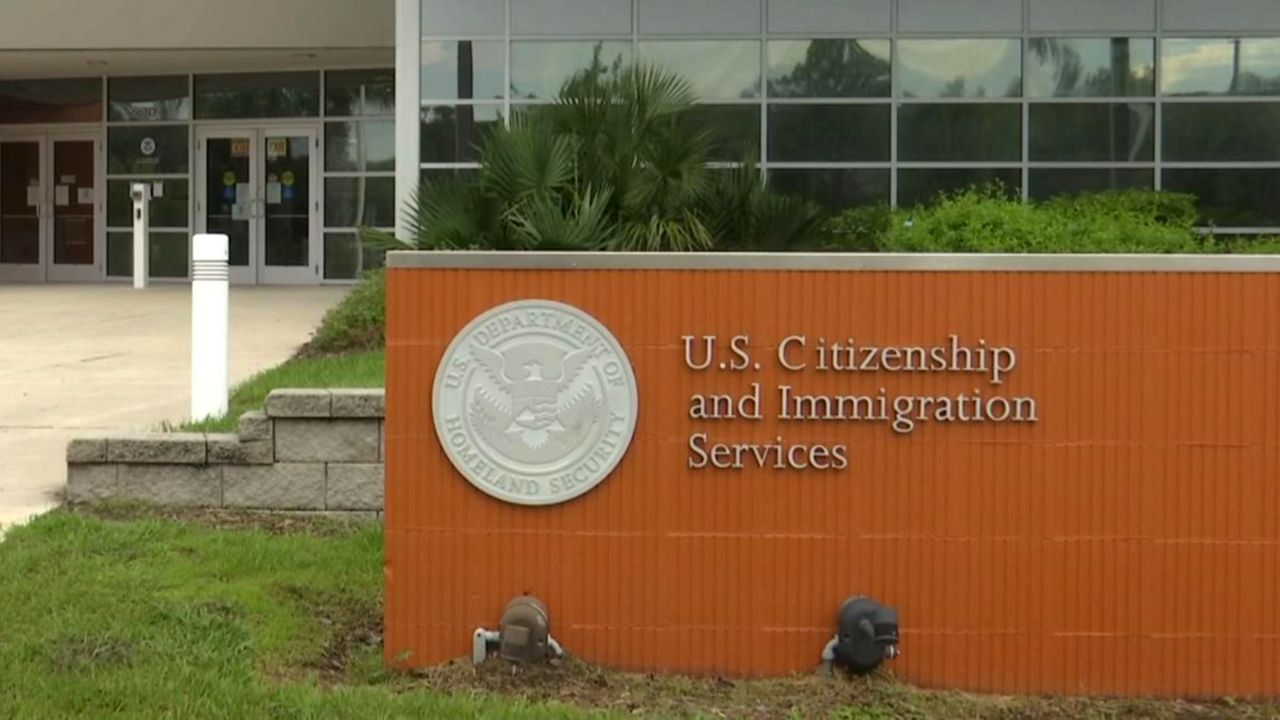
(613, 164)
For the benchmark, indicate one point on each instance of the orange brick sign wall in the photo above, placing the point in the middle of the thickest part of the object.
(1095, 509)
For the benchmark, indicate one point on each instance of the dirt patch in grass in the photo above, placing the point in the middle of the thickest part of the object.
(818, 695)
(271, 523)
(82, 654)
(349, 624)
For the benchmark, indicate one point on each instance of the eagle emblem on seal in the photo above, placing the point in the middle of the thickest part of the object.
(534, 402)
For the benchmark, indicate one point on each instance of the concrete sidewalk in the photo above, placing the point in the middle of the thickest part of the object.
(88, 359)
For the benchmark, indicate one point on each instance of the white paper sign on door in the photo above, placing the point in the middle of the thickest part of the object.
(33, 195)
(62, 195)
(84, 196)
(273, 193)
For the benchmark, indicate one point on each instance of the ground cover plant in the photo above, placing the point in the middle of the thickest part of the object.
(130, 611)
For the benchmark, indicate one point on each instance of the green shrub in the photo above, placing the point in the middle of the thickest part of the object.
(356, 324)
(860, 229)
(987, 220)
(1254, 245)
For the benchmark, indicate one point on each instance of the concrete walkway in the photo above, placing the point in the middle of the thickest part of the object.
(87, 359)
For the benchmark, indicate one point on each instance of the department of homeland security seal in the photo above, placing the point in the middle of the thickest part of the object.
(535, 402)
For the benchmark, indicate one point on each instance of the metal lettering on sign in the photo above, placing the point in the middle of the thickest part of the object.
(535, 402)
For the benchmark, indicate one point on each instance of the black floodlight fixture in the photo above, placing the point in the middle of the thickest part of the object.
(523, 635)
(866, 636)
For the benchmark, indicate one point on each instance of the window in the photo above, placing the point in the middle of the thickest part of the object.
(257, 95)
(922, 186)
(168, 209)
(352, 93)
(351, 202)
(960, 68)
(1050, 182)
(364, 146)
(829, 132)
(738, 126)
(829, 68)
(834, 188)
(960, 132)
(359, 166)
(1121, 132)
(1222, 131)
(453, 134)
(717, 69)
(462, 69)
(1231, 197)
(1221, 66)
(147, 150)
(168, 255)
(147, 99)
(51, 101)
(1093, 67)
(540, 68)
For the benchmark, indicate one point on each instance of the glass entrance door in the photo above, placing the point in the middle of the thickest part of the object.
(227, 195)
(50, 208)
(258, 186)
(21, 208)
(290, 210)
(72, 226)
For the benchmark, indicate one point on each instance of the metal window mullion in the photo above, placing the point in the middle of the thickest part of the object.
(1023, 63)
(1220, 99)
(1091, 100)
(960, 164)
(1221, 164)
(828, 164)
(960, 100)
(828, 100)
(894, 90)
(506, 63)
(358, 174)
(763, 153)
(1091, 165)
(1157, 77)
(148, 176)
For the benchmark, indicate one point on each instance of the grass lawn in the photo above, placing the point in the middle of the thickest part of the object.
(155, 618)
(357, 370)
(136, 613)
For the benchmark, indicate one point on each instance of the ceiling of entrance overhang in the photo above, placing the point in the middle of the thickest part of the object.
(31, 64)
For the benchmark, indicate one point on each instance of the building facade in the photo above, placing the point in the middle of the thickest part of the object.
(290, 124)
(270, 122)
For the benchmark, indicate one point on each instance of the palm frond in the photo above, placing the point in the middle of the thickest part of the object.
(527, 159)
(546, 225)
(682, 232)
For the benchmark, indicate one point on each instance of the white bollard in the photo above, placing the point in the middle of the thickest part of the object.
(209, 314)
(141, 194)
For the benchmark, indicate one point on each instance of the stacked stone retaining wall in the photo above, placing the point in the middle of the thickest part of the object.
(308, 451)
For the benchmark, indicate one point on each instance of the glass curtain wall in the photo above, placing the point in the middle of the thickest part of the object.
(866, 103)
(359, 167)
